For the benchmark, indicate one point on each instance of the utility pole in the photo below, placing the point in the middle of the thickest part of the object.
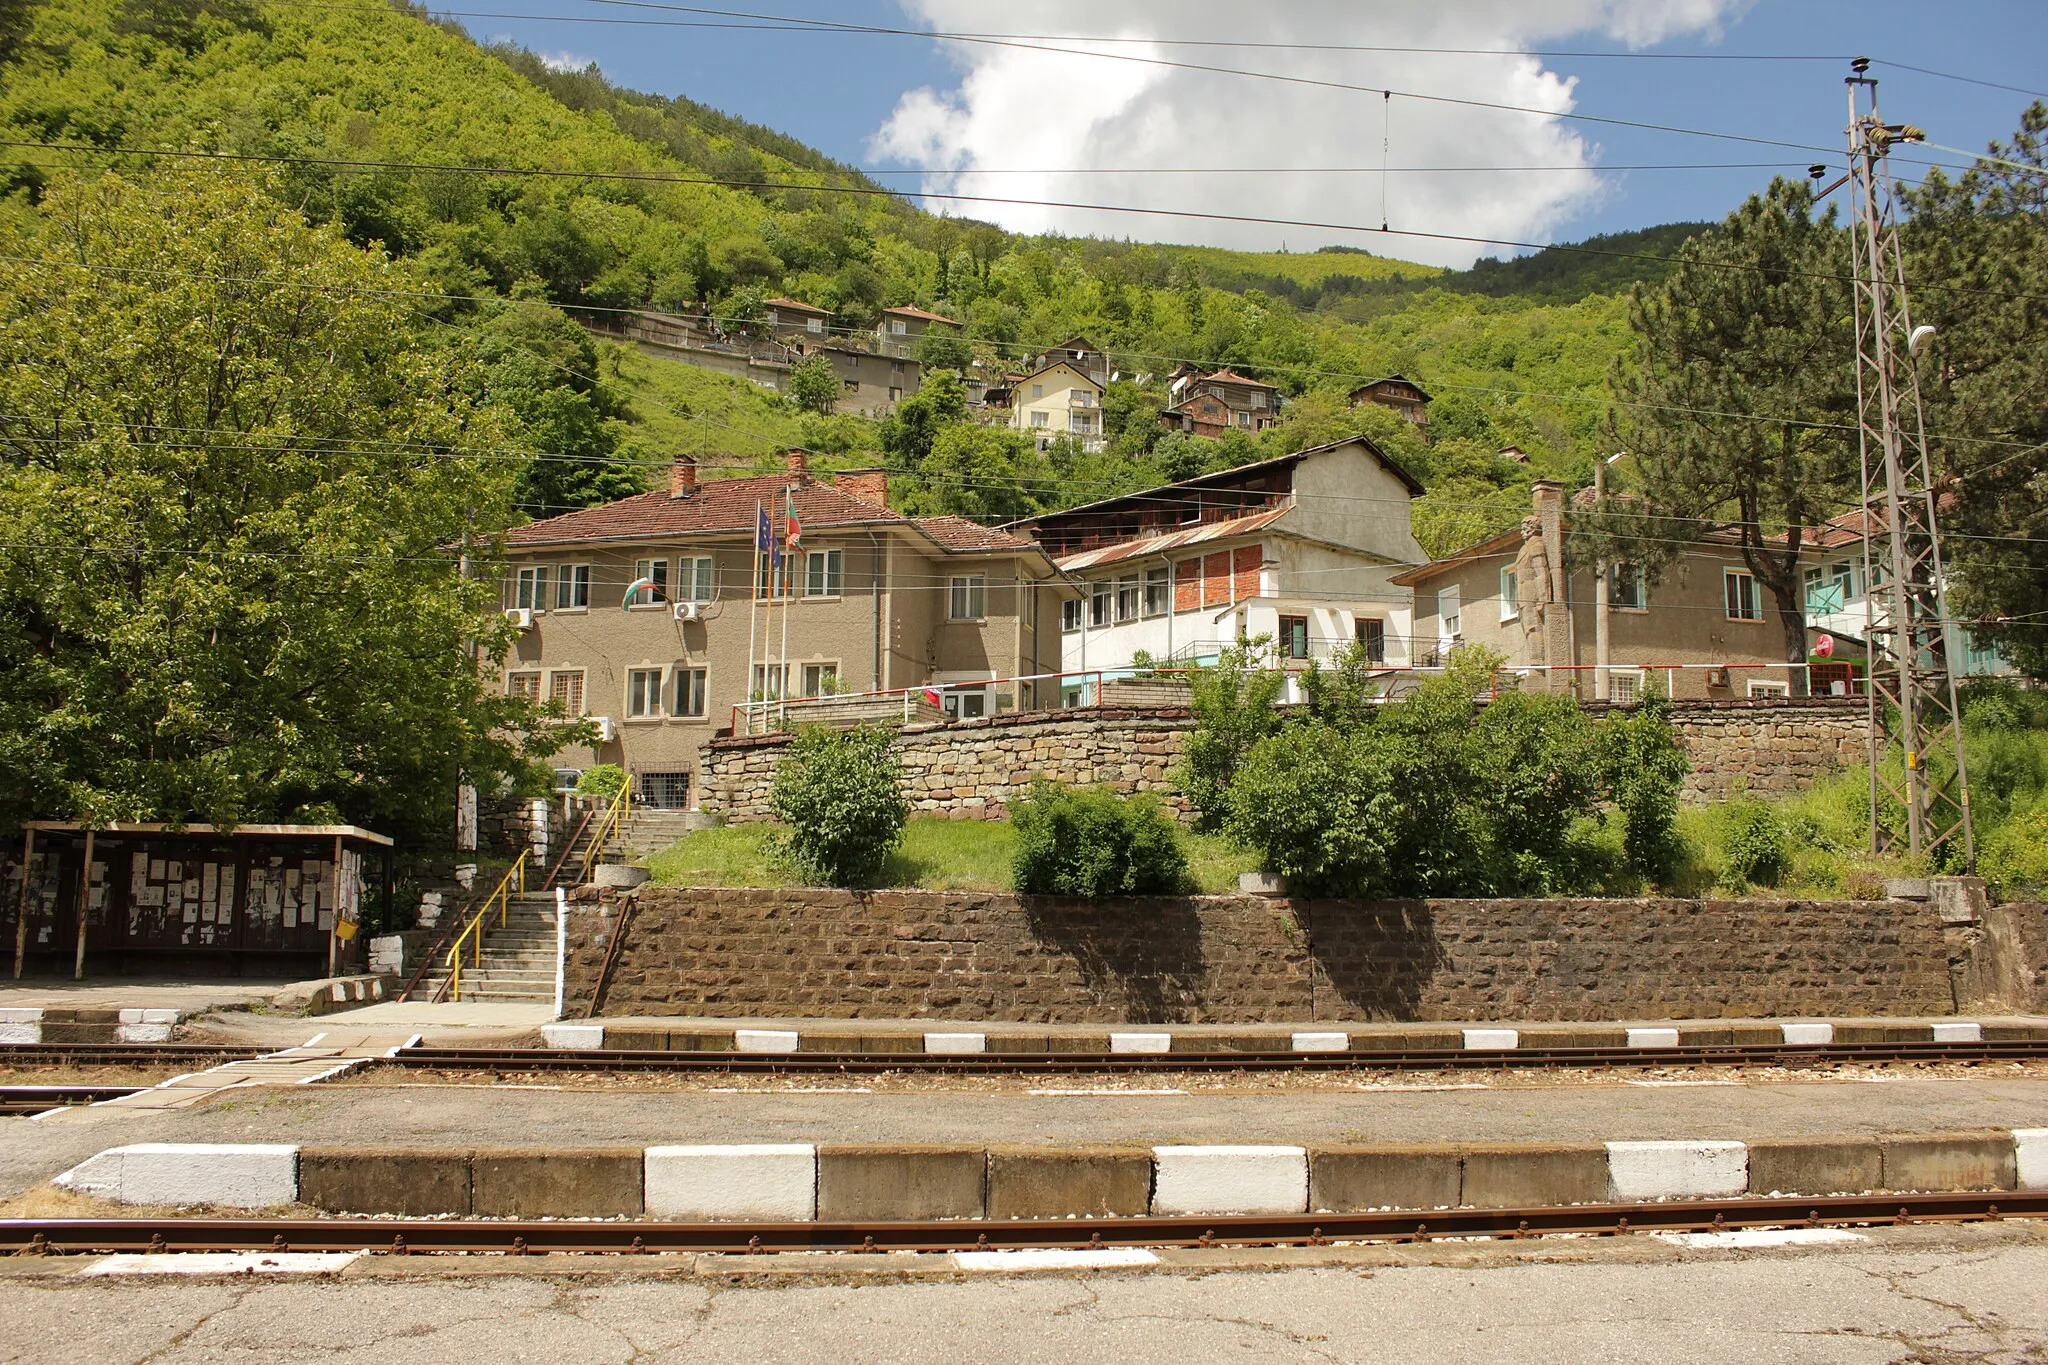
(1911, 693)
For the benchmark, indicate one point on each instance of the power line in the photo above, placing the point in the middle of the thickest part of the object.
(880, 192)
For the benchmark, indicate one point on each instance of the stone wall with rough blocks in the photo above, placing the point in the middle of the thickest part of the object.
(972, 769)
(952, 955)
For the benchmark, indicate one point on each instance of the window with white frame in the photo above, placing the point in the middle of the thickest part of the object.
(1372, 637)
(898, 327)
(656, 571)
(1627, 588)
(772, 580)
(532, 589)
(565, 685)
(1127, 599)
(696, 579)
(814, 324)
(1158, 591)
(525, 686)
(1740, 590)
(1510, 604)
(967, 598)
(1040, 418)
(1763, 687)
(768, 682)
(572, 587)
(643, 693)
(1100, 598)
(1625, 686)
(823, 570)
(690, 692)
(820, 680)
(1449, 615)
(1072, 613)
(1038, 390)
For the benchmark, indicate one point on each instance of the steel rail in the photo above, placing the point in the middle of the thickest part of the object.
(125, 1054)
(526, 1237)
(1029, 1063)
(37, 1099)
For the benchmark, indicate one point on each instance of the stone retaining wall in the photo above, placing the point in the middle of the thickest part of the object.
(947, 955)
(972, 769)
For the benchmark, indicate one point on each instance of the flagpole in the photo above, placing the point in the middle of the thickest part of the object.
(753, 611)
(788, 573)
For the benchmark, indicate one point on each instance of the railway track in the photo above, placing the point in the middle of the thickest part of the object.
(17, 1100)
(125, 1054)
(515, 1060)
(425, 1235)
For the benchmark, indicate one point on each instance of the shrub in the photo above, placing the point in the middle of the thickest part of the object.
(1645, 764)
(2016, 856)
(1090, 843)
(840, 795)
(1235, 705)
(1317, 806)
(601, 783)
(1758, 848)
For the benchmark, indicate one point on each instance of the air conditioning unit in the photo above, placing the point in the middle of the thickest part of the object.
(607, 729)
(688, 611)
(520, 617)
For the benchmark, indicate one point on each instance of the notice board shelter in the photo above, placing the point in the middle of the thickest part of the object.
(257, 900)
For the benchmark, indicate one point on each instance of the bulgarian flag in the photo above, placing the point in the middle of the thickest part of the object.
(793, 530)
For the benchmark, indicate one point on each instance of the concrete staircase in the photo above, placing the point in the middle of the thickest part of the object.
(650, 830)
(518, 959)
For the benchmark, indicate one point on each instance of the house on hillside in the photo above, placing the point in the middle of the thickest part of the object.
(1079, 353)
(898, 332)
(875, 600)
(1305, 548)
(794, 318)
(1211, 404)
(1399, 393)
(1837, 600)
(1707, 629)
(1058, 399)
(871, 383)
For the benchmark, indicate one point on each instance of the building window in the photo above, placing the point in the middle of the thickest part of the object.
(1372, 635)
(821, 680)
(968, 599)
(696, 580)
(895, 394)
(1743, 603)
(772, 581)
(1126, 599)
(525, 686)
(966, 704)
(822, 572)
(533, 588)
(814, 325)
(1099, 599)
(1758, 687)
(1071, 614)
(1041, 419)
(1038, 390)
(566, 686)
(690, 692)
(849, 385)
(657, 571)
(1447, 610)
(1294, 636)
(1624, 689)
(898, 327)
(768, 681)
(572, 587)
(1158, 591)
(1627, 588)
(1510, 604)
(643, 693)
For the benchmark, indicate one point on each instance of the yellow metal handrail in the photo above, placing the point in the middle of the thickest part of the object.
(502, 899)
(614, 822)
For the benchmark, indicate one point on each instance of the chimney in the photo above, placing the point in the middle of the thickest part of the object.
(871, 486)
(1557, 629)
(682, 476)
(799, 463)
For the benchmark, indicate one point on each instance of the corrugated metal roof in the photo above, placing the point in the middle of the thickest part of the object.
(1203, 534)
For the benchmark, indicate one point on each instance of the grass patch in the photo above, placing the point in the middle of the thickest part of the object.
(936, 855)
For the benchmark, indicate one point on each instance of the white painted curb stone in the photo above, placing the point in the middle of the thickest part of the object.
(955, 1044)
(582, 1037)
(1677, 1170)
(1810, 1034)
(225, 1263)
(1141, 1042)
(1320, 1042)
(1653, 1037)
(1958, 1033)
(1488, 1039)
(1052, 1258)
(2030, 1151)
(23, 1026)
(237, 1175)
(766, 1182)
(763, 1040)
(1198, 1179)
(145, 1026)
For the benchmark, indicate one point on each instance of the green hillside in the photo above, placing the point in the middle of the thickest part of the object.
(497, 178)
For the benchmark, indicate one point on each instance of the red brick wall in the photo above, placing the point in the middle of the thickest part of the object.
(1245, 563)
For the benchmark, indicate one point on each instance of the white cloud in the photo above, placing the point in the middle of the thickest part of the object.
(565, 61)
(1056, 114)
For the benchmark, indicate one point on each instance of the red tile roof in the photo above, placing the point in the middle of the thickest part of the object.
(1230, 376)
(728, 506)
(796, 303)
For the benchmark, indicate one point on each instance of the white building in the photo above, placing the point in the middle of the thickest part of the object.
(1302, 548)
(1837, 599)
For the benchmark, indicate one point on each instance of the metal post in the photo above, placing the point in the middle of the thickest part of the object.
(28, 854)
(84, 905)
(1907, 630)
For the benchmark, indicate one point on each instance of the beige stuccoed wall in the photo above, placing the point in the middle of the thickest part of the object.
(973, 769)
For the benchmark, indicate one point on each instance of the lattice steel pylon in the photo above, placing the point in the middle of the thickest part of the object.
(1912, 692)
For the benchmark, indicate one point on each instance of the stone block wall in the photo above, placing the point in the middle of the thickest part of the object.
(972, 769)
(949, 955)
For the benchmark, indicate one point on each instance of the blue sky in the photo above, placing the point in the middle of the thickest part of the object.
(982, 115)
